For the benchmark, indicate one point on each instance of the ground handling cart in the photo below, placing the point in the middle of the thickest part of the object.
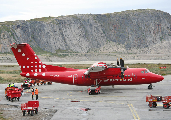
(31, 106)
(153, 99)
(12, 92)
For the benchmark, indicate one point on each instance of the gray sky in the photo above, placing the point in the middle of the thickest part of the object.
(11, 10)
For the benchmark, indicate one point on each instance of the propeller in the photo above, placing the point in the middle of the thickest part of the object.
(122, 67)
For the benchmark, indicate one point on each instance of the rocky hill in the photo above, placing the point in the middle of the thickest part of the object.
(128, 34)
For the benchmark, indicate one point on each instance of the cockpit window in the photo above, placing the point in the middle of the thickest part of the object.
(147, 71)
(142, 72)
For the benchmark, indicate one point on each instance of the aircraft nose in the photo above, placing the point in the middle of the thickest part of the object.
(160, 78)
(157, 78)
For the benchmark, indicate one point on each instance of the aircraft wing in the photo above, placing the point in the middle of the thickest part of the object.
(96, 67)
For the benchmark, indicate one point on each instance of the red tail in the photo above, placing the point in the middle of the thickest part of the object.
(27, 59)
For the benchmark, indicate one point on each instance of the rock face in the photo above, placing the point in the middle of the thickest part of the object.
(143, 31)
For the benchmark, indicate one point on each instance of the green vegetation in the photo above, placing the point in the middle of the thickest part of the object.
(1, 117)
(10, 72)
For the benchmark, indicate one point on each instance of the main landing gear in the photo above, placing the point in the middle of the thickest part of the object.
(94, 89)
(150, 86)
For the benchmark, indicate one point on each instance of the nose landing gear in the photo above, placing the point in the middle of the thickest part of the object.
(150, 86)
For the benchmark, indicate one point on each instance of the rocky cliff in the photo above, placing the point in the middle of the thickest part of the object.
(143, 31)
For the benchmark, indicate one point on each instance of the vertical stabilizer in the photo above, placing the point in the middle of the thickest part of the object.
(27, 59)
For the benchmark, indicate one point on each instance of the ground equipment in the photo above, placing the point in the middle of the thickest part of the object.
(12, 92)
(31, 106)
(153, 99)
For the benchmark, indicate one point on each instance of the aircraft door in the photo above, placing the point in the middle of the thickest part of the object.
(75, 79)
(134, 76)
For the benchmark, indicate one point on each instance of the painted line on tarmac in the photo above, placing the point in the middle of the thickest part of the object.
(46, 97)
(133, 111)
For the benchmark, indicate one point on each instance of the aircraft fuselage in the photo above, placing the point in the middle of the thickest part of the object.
(132, 76)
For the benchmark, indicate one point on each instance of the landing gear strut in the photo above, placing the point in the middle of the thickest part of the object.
(94, 89)
(150, 86)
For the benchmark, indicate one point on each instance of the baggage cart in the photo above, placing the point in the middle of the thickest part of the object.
(154, 99)
(30, 107)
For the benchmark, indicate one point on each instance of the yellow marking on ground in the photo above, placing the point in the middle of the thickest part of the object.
(110, 102)
(84, 100)
(46, 97)
(133, 111)
(70, 95)
(57, 98)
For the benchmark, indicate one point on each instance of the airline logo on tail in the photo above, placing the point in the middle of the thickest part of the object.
(27, 59)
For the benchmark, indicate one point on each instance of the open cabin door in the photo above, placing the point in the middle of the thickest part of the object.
(75, 79)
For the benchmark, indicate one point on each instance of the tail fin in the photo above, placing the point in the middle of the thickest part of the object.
(27, 59)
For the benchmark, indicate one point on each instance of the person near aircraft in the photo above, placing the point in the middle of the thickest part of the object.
(36, 93)
(32, 91)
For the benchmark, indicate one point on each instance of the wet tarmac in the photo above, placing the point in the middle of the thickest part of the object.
(123, 102)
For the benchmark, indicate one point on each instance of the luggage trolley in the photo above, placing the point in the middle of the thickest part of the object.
(31, 106)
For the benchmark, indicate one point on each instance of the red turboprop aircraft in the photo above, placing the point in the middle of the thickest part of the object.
(99, 74)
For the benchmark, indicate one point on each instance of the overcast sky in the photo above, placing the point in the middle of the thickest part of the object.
(11, 10)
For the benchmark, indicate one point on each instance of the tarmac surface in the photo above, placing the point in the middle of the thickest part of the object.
(123, 102)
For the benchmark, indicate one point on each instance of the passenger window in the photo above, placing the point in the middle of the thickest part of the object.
(142, 72)
(125, 75)
(85, 76)
(128, 75)
(146, 71)
(82, 77)
(134, 75)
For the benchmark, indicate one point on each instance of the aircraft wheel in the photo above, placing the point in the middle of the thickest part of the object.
(150, 86)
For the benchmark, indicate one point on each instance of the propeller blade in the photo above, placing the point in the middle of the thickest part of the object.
(121, 62)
